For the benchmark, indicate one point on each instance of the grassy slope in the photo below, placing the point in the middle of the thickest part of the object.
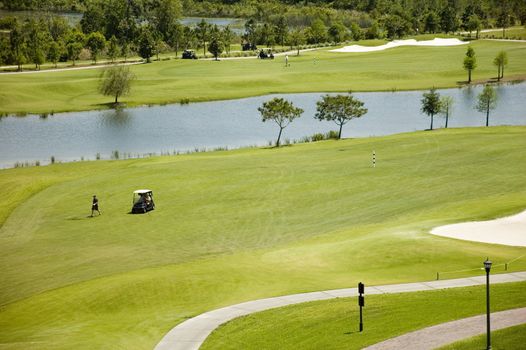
(504, 339)
(511, 33)
(170, 81)
(333, 324)
(235, 226)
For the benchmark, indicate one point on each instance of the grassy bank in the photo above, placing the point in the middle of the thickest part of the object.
(333, 324)
(241, 225)
(504, 339)
(403, 68)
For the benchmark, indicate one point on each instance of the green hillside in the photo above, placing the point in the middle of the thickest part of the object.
(241, 225)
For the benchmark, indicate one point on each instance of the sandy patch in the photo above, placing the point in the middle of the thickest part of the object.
(397, 43)
(510, 230)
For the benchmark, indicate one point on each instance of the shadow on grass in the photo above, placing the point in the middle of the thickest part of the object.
(351, 332)
(111, 105)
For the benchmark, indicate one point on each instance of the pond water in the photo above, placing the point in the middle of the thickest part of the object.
(236, 24)
(73, 18)
(231, 123)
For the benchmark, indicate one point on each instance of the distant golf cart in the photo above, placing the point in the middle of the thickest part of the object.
(189, 55)
(142, 201)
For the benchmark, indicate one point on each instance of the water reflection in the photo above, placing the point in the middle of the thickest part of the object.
(233, 123)
(118, 118)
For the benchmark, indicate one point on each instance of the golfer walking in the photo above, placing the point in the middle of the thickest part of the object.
(95, 205)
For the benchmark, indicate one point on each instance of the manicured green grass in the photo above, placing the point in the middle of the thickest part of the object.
(512, 338)
(511, 33)
(333, 324)
(241, 225)
(171, 81)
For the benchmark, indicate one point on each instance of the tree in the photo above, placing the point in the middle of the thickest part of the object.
(202, 31)
(93, 18)
(54, 53)
(470, 62)
(474, 24)
(227, 36)
(113, 48)
(74, 45)
(17, 44)
(340, 109)
(281, 30)
(395, 26)
(487, 100)
(504, 20)
(96, 43)
(251, 31)
(317, 32)
(74, 49)
(280, 111)
(356, 32)
(116, 81)
(125, 50)
(431, 104)
(175, 37)
(166, 14)
(500, 61)
(373, 32)
(338, 32)
(296, 39)
(146, 44)
(267, 35)
(446, 107)
(448, 19)
(215, 47)
(432, 23)
(38, 41)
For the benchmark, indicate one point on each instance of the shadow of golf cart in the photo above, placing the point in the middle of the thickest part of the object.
(142, 201)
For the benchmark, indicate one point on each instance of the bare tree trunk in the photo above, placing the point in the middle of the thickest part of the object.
(279, 136)
(469, 76)
(447, 117)
(340, 133)
(502, 71)
(431, 122)
(487, 114)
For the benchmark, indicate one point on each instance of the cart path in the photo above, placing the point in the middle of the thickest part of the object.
(190, 334)
(446, 333)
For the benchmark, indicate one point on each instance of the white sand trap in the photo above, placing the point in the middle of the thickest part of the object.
(397, 43)
(510, 230)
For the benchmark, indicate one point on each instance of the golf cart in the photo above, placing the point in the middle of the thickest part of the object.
(189, 55)
(142, 201)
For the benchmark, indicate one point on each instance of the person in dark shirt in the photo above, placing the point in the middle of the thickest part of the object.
(95, 205)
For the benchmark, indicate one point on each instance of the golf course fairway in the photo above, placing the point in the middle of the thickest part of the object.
(173, 81)
(240, 225)
(332, 324)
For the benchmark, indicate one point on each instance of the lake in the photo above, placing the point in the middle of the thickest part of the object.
(73, 18)
(231, 123)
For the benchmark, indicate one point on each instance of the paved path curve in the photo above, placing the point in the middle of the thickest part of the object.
(190, 334)
(446, 333)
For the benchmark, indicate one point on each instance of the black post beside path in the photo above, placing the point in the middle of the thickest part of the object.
(487, 267)
(361, 302)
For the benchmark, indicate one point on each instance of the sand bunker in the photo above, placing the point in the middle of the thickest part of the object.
(510, 230)
(397, 43)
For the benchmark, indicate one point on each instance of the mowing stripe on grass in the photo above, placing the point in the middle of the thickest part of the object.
(191, 334)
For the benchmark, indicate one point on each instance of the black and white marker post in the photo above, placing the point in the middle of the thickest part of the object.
(361, 302)
(374, 159)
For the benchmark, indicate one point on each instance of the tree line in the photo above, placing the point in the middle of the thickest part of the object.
(148, 27)
(341, 109)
